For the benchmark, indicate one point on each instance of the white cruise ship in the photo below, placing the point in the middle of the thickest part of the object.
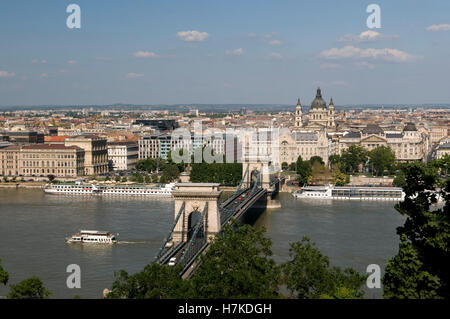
(347, 192)
(91, 189)
(93, 237)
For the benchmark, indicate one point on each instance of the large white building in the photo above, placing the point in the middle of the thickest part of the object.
(122, 156)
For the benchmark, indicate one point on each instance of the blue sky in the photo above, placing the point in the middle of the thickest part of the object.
(245, 52)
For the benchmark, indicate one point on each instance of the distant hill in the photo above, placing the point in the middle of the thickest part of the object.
(220, 108)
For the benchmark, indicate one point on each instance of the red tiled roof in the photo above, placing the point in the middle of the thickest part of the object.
(54, 138)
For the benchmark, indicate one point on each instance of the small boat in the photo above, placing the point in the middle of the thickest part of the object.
(93, 237)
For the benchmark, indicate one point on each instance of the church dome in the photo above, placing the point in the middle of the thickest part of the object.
(318, 102)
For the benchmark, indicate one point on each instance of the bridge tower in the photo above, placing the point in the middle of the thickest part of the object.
(195, 199)
(251, 170)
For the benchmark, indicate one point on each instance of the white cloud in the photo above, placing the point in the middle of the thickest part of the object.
(44, 75)
(364, 65)
(438, 27)
(275, 42)
(72, 62)
(275, 55)
(269, 35)
(146, 54)
(39, 61)
(330, 66)
(351, 52)
(133, 75)
(366, 36)
(6, 74)
(238, 51)
(192, 36)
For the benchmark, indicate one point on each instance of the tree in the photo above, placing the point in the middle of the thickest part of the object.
(237, 265)
(117, 179)
(155, 178)
(353, 157)
(154, 282)
(420, 268)
(170, 173)
(293, 166)
(317, 159)
(304, 171)
(339, 178)
(308, 275)
(399, 179)
(51, 178)
(31, 288)
(124, 179)
(284, 166)
(148, 179)
(382, 158)
(334, 160)
(4, 276)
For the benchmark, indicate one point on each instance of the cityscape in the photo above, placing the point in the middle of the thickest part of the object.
(204, 160)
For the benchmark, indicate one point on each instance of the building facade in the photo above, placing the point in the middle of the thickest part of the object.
(122, 156)
(96, 152)
(41, 160)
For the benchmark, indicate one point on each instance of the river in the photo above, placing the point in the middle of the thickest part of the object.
(34, 225)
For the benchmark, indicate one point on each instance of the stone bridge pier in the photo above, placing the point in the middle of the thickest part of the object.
(194, 197)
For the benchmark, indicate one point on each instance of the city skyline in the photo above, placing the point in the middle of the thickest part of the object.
(224, 53)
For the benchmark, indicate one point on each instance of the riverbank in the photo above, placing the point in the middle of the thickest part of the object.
(22, 185)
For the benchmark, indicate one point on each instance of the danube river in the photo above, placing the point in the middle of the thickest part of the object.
(34, 225)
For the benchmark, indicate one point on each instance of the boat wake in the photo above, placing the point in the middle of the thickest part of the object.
(134, 242)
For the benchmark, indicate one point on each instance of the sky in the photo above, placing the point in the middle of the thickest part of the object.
(224, 52)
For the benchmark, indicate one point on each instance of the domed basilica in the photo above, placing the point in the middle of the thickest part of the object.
(319, 116)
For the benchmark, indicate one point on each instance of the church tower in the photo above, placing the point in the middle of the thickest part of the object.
(298, 115)
(331, 113)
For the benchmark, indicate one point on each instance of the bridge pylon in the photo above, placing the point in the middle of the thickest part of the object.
(194, 197)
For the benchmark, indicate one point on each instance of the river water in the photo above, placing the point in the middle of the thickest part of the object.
(34, 225)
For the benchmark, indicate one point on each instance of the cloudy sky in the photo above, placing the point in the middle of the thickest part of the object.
(175, 52)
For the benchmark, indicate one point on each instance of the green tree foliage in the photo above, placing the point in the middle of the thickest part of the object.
(353, 157)
(399, 179)
(334, 160)
(4, 276)
(154, 282)
(382, 159)
(31, 288)
(137, 178)
(421, 267)
(117, 179)
(150, 165)
(124, 179)
(308, 275)
(339, 178)
(441, 165)
(224, 173)
(304, 171)
(284, 166)
(293, 167)
(237, 265)
(317, 159)
(170, 173)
